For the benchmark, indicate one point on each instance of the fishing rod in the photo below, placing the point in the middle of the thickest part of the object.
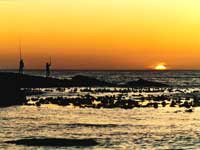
(20, 50)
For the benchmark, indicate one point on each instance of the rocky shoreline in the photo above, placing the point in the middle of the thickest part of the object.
(11, 83)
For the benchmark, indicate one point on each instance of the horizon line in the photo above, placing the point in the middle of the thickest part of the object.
(2, 69)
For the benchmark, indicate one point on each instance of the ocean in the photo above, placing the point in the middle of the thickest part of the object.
(112, 128)
(120, 129)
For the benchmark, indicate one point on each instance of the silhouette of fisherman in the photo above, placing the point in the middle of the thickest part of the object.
(21, 62)
(48, 70)
(21, 66)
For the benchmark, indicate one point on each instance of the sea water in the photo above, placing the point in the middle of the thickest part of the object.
(138, 128)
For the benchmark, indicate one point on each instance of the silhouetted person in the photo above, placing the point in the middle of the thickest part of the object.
(21, 66)
(48, 71)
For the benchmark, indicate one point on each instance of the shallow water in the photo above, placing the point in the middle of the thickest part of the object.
(143, 128)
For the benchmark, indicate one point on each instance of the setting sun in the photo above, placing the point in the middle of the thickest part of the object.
(100, 34)
(160, 67)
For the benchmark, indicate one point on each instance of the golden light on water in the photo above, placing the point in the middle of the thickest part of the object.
(160, 67)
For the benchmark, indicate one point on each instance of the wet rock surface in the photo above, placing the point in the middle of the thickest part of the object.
(145, 83)
(11, 83)
(55, 142)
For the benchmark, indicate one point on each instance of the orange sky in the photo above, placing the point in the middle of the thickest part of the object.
(101, 34)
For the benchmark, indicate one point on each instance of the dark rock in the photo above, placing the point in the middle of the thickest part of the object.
(164, 104)
(155, 105)
(10, 93)
(28, 81)
(189, 110)
(185, 104)
(173, 104)
(55, 142)
(11, 83)
(145, 83)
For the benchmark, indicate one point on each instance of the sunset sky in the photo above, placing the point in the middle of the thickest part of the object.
(100, 34)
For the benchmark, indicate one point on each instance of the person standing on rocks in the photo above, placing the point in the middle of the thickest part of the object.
(21, 61)
(48, 70)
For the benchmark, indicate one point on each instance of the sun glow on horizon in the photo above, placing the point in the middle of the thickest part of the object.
(101, 34)
(160, 67)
